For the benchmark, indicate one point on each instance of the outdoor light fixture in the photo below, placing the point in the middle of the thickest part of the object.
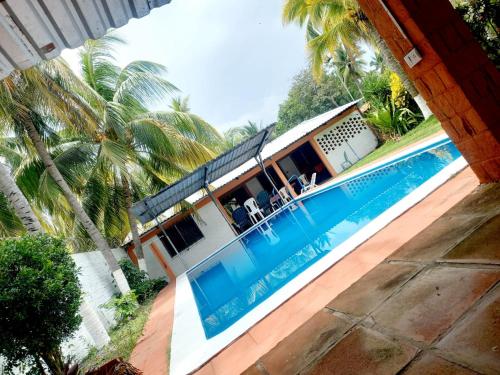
(413, 57)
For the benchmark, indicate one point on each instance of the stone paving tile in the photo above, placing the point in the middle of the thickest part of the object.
(432, 301)
(377, 285)
(437, 238)
(476, 339)
(306, 343)
(430, 364)
(482, 201)
(483, 245)
(362, 352)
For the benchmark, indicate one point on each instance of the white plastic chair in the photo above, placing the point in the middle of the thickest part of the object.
(284, 195)
(253, 210)
(311, 184)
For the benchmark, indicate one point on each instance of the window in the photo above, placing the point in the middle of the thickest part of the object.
(182, 234)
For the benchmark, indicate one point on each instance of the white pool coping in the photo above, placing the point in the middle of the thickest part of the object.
(190, 349)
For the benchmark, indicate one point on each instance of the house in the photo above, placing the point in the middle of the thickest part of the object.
(324, 145)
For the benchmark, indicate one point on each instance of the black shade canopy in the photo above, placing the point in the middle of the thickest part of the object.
(153, 206)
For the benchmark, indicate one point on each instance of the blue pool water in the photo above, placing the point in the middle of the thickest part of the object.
(251, 268)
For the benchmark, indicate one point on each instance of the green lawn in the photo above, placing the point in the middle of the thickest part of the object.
(424, 129)
(123, 340)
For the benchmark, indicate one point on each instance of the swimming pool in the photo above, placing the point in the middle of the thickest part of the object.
(223, 296)
(248, 270)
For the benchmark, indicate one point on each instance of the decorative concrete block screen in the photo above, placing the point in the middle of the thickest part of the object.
(346, 141)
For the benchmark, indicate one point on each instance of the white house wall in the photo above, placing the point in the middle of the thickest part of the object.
(216, 232)
(346, 141)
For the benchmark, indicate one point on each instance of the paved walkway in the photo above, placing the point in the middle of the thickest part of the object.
(150, 355)
(432, 307)
(152, 352)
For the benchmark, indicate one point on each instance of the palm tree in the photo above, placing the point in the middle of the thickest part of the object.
(34, 103)
(238, 134)
(138, 150)
(377, 62)
(332, 22)
(350, 67)
(18, 203)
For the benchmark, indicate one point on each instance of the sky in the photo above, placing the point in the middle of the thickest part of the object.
(235, 59)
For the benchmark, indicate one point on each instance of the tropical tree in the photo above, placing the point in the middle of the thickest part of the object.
(238, 134)
(377, 63)
(330, 23)
(136, 150)
(37, 101)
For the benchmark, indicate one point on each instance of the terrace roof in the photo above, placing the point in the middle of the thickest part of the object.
(151, 207)
(32, 31)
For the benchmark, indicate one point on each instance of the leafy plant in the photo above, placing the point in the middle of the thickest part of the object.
(482, 18)
(393, 121)
(39, 302)
(143, 287)
(125, 307)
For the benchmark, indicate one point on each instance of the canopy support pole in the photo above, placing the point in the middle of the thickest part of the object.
(206, 187)
(259, 160)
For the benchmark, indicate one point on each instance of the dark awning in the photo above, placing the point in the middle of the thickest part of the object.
(153, 206)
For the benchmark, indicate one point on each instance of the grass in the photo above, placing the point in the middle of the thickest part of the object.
(425, 129)
(123, 340)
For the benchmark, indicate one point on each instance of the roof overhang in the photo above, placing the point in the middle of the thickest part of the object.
(32, 31)
(153, 206)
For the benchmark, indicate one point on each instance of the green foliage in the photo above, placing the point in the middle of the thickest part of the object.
(482, 18)
(138, 281)
(393, 121)
(125, 307)
(308, 98)
(376, 88)
(39, 300)
(122, 340)
(238, 134)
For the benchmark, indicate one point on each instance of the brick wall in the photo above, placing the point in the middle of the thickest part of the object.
(455, 77)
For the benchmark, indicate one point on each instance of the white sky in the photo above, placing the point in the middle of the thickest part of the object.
(234, 58)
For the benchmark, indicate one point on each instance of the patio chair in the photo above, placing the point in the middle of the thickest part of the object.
(253, 210)
(311, 184)
(285, 197)
(241, 219)
(263, 200)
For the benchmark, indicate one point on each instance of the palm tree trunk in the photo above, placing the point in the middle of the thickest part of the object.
(78, 210)
(395, 66)
(18, 202)
(139, 252)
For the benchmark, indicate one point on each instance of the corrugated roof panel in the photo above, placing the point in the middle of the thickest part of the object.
(31, 31)
(151, 207)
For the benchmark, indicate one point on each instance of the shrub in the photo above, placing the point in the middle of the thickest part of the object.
(39, 301)
(125, 307)
(138, 280)
(393, 121)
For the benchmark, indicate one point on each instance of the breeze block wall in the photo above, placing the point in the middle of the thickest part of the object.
(460, 84)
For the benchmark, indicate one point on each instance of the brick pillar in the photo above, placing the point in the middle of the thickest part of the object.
(459, 82)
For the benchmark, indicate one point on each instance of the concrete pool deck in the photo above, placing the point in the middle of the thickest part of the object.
(262, 337)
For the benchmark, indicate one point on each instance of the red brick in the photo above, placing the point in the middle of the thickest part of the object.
(462, 127)
(413, 31)
(444, 106)
(445, 76)
(451, 37)
(488, 144)
(492, 169)
(423, 89)
(470, 150)
(457, 100)
(398, 10)
(481, 173)
(474, 120)
(463, 30)
(451, 130)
